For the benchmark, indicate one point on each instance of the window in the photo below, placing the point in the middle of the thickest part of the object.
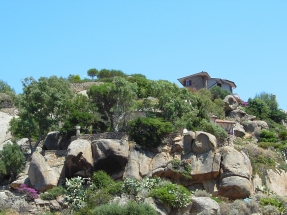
(188, 83)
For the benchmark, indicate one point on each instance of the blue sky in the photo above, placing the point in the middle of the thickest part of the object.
(242, 41)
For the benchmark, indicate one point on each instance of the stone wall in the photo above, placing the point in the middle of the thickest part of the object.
(197, 82)
(78, 87)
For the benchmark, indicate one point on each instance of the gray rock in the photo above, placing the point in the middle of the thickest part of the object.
(4, 127)
(236, 172)
(41, 175)
(138, 164)
(251, 126)
(110, 155)
(161, 209)
(203, 143)
(239, 130)
(230, 103)
(79, 158)
(204, 206)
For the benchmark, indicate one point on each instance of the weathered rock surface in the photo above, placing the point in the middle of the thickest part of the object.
(4, 127)
(79, 160)
(240, 116)
(230, 103)
(276, 181)
(110, 155)
(138, 164)
(41, 175)
(239, 130)
(204, 206)
(251, 126)
(55, 141)
(236, 174)
(203, 143)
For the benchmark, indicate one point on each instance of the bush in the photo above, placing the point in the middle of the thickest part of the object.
(21, 206)
(53, 193)
(148, 132)
(174, 195)
(11, 160)
(101, 179)
(218, 93)
(182, 167)
(283, 135)
(216, 130)
(89, 123)
(97, 198)
(267, 136)
(76, 194)
(274, 201)
(129, 209)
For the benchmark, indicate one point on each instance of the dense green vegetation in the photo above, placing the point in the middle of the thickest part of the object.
(11, 161)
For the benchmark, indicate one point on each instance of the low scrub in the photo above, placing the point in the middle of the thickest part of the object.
(174, 195)
(131, 208)
(53, 193)
(267, 136)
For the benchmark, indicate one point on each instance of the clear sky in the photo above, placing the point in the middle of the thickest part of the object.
(242, 41)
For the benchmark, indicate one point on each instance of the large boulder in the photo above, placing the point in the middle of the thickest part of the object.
(204, 206)
(204, 166)
(4, 127)
(110, 155)
(240, 116)
(236, 172)
(79, 160)
(239, 130)
(230, 103)
(138, 164)
(251, 126)
(204, 142)
(276, 181)
(55, 141)
(41, 175)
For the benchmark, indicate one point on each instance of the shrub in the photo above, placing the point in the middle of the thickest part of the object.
(224, 208)
(283, 135)
(97, 198)
(130, 208)
(76, 194)
(182, 167)
(267, 136)
(148, 132)
(53, 193)
(216, 130)
(101, 179)
(240, 208)
(11, 160)
(174, 195)
(269, 210)
(274, 201)
(86, 120)
(218, 93)
(30, 193)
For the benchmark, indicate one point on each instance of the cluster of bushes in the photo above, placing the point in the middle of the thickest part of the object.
(97, 197)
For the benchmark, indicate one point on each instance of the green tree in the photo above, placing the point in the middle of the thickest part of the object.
(105, 73)
(12, 160)
(258, 108)
(5, 88)
(176, 105)
(92, 73)
(115, 101)
(41, 107)
(74, 78)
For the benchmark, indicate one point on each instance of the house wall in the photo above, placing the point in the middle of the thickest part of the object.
(227, 87)
(210, 83)
(197, 82)
(224, 86)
